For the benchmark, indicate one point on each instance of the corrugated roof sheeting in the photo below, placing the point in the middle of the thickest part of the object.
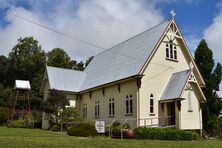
(119, 62)
(175, 85)
(65, 79)
(123, 60)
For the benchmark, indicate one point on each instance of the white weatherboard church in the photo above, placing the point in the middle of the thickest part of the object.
(149, 80)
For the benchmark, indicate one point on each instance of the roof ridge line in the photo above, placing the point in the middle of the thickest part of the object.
(65, 69)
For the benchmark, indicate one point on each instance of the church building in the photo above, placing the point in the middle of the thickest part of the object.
(148, 80)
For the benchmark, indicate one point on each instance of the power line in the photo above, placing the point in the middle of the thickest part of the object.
(77, 39)
(69, 36)
(61, 33)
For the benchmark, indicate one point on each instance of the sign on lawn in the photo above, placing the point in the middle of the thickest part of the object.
(100, 126)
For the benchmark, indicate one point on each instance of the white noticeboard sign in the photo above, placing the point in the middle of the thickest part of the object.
(100, 126)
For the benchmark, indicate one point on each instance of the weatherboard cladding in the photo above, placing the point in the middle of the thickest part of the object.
(119, 62)
(175, 85)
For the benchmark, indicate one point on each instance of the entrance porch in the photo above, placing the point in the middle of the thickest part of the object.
(171, 110)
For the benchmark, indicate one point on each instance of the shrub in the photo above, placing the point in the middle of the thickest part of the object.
(19, 124)
(164, 134)
(69, 114)
(82, 130)
(116, 126)
(55, 128)
(37, 117)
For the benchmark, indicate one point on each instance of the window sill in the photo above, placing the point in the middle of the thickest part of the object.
(111, 116)
(190, 110)
(169, 59)
(152, 114)
(131, 114)
(96, 117)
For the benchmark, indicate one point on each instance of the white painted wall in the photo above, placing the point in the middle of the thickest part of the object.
(191, 120)
(126, 88)
(156, 77)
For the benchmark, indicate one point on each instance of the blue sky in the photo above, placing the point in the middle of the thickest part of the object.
(106, 22)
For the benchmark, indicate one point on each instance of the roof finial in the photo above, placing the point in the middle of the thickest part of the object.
(172, 13)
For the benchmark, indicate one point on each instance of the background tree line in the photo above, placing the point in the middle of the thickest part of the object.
(27, 61)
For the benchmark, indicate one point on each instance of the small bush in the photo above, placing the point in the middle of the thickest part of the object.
(19, 124)
(164, 134)
(55, 128)
(117, 126)
(82, 130)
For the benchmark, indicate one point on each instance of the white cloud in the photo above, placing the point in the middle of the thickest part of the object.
(213, 35)
(102, 22)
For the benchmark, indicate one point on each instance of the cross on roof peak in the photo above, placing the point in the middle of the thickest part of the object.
(172, 13)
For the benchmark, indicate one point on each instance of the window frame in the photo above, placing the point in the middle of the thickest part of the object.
(84, 111)
(151, 103)
(111, 107)
(97, 109)
(171, 51)
(129, 104)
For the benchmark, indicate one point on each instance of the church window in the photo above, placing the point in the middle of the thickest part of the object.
(111, 107)
(151, 103)
(171, 51)
(129, 104)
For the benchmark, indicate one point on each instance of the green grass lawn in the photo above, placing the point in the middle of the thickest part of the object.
(15, 137)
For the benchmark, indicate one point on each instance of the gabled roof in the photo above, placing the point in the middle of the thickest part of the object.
(176, 85)
(123, 60)
(64, 79)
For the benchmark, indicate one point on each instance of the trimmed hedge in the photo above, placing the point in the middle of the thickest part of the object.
(82, 130)
(164, 134)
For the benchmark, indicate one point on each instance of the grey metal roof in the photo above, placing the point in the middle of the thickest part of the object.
(119, 62)
(64, 79)
(175, 85)
(123, 60)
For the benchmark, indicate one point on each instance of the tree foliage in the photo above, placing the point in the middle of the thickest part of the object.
(69, 114)
(55, 102)
(212, 77)
(3, 70)
(59, 58)
(27, 62)
(6, 96)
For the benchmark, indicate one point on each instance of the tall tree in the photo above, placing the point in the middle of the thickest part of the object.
(212, 78)
(59, 58)
(27, 61)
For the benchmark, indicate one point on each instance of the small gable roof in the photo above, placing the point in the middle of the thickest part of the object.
(64, 79)
(175, 85)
